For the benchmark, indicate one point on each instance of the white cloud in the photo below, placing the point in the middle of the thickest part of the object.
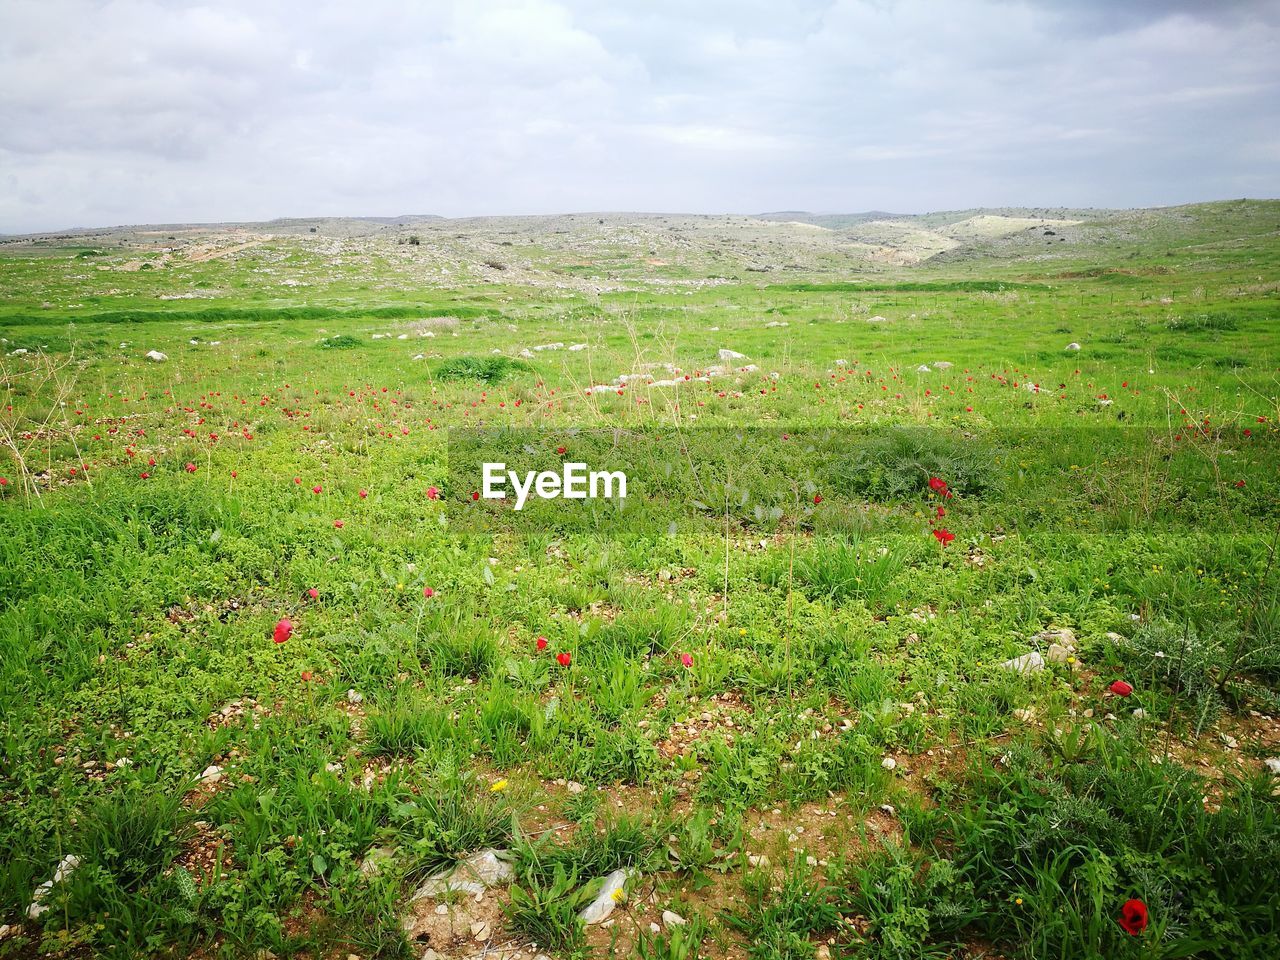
(130, 111)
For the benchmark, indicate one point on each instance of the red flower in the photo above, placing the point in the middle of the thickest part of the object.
(943, 536)
(284, 630)
(433, 493)
(191, 468)
(338, 524)
(306, 676)
(475, 494)
(144, 475)
(686, 660)
(428, 592)
(363, 494)
(542, 643)
(316, 488)
(817, 499)
(564, 659)
(1120, 688)
(313, 593)
(937, 485)
(560, 450)
(1133, 916)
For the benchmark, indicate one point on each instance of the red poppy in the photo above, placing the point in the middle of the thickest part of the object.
(363, 494)
(475, 494)
(542, 643)
(560, 450)
(1133, 916)
(144, 475)
(943, 536)
(686, 660)
(191, 468)
(1120, 688)
(338, 524)
(564, 659)
(306, 676)
(433, 493)
(313, 593)
(284, 630)
(428, 592)
(817, 499)
(316, 488)
(937, 485)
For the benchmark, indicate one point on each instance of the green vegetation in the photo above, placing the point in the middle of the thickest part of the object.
(783, 708)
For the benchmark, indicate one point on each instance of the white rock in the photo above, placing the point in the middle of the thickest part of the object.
(375, 860)
(419, 356)
(154, 355)
(403, 336)
(574, 787)
(576, 347)
(1139, 714)
(1027, 663)
(527, 353)
(923, 368)
(1072, 346)
(731, 355)
(64, 869)
(943, 365)
(354, 696)
(599, 909)
(480, 871)
(877, 319)
(672, 919)
(1273, 764)
(1057, 653)
(889, 763)
(212, 774)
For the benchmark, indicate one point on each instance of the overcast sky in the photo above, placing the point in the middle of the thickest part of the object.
(134, 112)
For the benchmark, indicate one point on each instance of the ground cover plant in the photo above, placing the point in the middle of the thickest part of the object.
(968, 647)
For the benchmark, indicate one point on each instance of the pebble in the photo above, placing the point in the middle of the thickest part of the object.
(672, 919)
(889, 763)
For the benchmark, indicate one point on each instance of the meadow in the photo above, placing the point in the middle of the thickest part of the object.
(267, 670)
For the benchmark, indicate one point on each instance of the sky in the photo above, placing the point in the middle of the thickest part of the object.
(127, 111)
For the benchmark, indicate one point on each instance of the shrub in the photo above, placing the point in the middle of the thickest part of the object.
(483, 369)
(899, 462)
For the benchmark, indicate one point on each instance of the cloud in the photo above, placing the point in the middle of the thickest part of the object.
(129, 111)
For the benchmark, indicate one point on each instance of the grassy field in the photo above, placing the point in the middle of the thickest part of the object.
(783, 708)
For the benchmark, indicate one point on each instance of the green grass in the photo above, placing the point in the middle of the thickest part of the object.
(826, 628)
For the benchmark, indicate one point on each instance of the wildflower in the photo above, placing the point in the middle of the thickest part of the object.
(313, 593)
(943, 536)
(1017, 901)
(433, 493)
(191, 468)
(316, 488)
(542, 643)
(564, 659)
(560, 451)
(937, 485)
(817, 499)
(283, 631)
(686, 660)
(363, 494)
(1133, 916)
(428, 592)
(618, 895)
(306, 676)
(144, 475)
(498, 786)
(475, 494)
(1120, 688)
(338, 524)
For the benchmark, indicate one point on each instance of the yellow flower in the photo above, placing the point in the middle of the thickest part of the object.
(1018, 901)
(742, 631)
(619, 895)
(499, 786)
